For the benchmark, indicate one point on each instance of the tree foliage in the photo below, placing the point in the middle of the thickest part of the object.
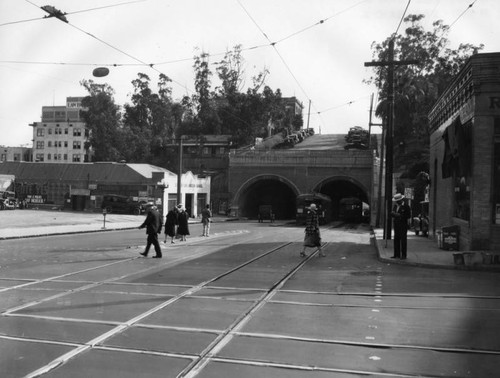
(153, 120)
(102, 118)
(417, 86)
(150, 120)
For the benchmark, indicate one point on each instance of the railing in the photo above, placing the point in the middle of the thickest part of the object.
(302, 158)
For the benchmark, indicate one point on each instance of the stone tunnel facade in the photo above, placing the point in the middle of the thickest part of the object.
(277, 177)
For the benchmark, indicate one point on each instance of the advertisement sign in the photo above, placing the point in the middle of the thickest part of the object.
(36, 198)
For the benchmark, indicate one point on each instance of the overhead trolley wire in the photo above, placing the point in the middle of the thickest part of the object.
(277, 52)
(65, 14)
(402, 17)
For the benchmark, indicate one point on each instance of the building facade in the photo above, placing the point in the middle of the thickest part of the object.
(82, 186)
(15, 153)
(465, 155)
(61, 135)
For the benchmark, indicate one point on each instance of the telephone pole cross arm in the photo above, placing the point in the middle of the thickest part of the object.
(389, 150)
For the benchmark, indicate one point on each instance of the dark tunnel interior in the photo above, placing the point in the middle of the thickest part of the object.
(282, 198)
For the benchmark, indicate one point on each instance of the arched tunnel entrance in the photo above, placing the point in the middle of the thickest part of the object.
(281, 195)
(267, 191)
(338, 189)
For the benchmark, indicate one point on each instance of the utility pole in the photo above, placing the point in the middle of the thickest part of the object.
(179, 175)
(381, 167)
(389, 143)
(308, 115)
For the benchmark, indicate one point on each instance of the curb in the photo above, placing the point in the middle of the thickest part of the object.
(65, 233)
(474, 267)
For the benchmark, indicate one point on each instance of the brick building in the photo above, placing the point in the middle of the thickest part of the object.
(465, 155)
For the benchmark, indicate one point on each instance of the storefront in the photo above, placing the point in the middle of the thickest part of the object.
(465, 155)
(82, 186)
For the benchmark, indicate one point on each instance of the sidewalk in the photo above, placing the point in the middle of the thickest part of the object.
(424, 251)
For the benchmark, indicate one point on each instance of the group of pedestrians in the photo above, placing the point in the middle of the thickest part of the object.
(176, 224)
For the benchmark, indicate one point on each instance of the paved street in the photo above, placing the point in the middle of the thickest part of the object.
(240, 303)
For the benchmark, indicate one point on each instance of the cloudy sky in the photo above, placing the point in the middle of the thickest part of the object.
(43, 60)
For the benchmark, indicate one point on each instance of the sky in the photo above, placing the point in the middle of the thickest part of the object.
(43, 60)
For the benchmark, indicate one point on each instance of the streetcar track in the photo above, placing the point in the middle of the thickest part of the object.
(199, 361)
(125, 325)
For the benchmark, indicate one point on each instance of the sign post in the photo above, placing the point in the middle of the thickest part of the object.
(104, 216)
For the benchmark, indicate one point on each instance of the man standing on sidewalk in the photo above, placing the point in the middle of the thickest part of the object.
(206, 218)
(153, 228)
(401, 212)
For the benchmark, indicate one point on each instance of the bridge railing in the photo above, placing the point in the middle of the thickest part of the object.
(302, 158)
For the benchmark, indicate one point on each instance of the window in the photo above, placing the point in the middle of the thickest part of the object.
(65, 143)
(206, 150)
(77, 132)
(40, 132)
(49, 143)
(461, 170)
(17, 157)
(58, 131)
(39, 157)
(49, 156)
(77, 145)
(66, 131)
(59, 144)
(496, 173)
(40, 145)
(76, 157)
(3, 157)
(65, 156)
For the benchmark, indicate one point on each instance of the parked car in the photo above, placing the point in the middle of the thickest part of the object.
(113, 203)
(8, 203)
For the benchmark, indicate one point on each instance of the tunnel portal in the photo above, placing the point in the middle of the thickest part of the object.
(282, 197)
(337, 189)
(268, 192)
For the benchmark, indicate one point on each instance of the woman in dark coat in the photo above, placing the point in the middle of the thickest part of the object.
(312, 236)
(170, 223)
(182, 228)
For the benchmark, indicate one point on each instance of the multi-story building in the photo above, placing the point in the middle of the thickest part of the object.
(61, 135)
(15, 153)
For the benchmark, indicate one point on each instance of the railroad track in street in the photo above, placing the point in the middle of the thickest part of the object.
(244, 303)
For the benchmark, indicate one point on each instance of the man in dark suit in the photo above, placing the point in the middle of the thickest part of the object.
(401, 212)
(153, 228)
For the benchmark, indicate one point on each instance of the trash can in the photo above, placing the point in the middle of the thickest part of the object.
(450, 237)
(458, 259)
(487, 258)
(468, 258)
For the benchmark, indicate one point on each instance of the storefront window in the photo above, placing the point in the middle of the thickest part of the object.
(496, 174)
(462, 198)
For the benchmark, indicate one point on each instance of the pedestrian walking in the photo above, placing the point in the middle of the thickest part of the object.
(312, 236)
(206, 218)
(182, 219)
(153, 228)
(401, 213)
(171, 222)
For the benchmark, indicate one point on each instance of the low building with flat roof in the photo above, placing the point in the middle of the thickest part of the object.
(81, 186)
